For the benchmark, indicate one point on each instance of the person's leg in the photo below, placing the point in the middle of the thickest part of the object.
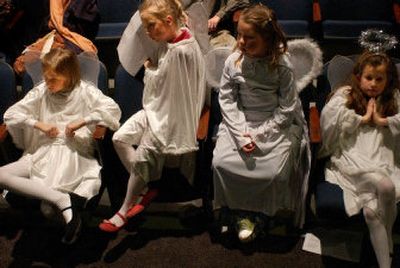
(379, 238)
(126, 153)
(135, 187)
(14, 177)
(387, 206)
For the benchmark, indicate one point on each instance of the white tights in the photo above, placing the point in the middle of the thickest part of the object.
(380, 226)
(15, 177)
(127, 154)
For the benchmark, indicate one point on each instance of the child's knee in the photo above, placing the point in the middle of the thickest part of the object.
(386, 189)
(4, 174)
(119, 144)
(369, 215)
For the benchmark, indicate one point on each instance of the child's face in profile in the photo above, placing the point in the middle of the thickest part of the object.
(156, 29)
(55, 82)
(373, 80)
(250, 42)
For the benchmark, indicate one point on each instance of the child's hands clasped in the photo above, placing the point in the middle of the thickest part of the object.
(50, 130)
(372, 116)
(73, 126)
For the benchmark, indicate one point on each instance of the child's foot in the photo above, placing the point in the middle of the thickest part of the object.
(141, 203)
(73, 227)
(246, 230)
(114, 224)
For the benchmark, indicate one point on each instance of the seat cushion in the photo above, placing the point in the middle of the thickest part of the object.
(329, 201)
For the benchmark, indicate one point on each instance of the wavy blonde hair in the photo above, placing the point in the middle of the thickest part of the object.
(162, 8)
(65, 62)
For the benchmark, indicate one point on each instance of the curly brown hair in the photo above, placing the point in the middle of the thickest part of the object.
(386, 102)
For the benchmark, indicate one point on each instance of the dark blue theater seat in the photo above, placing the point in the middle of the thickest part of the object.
(294, 16)
(114, 17)
(8, 90)
(128, 93)
(343, 19)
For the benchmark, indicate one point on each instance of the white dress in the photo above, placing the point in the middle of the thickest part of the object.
(360, 155)
(64, 164)
(263, 102)
(173, 98)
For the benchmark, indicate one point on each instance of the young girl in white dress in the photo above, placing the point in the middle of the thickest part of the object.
(360, 133)
(172, 102)
(261, 156)
(54, 124)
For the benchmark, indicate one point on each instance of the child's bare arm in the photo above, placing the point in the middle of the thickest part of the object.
(73, 126)
(49, 129)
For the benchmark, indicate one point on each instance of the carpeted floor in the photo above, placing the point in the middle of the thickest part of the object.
(154, 239)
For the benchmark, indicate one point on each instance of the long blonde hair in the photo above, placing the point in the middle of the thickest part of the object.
(162, 8)
(65, 62)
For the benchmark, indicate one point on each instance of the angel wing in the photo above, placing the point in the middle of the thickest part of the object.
(339, 69)
(306, 58)
(135, 46)
(198, 17)
(88, 62)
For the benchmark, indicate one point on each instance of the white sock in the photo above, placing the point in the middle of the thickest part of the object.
(379, 238)
(15, 178)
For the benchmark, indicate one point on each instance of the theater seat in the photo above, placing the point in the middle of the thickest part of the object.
(343, 19)
(114, 17)
(294, 16)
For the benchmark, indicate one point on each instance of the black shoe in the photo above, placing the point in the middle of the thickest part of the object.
(74, 226)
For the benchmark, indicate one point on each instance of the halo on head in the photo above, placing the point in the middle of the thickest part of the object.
(377, 41)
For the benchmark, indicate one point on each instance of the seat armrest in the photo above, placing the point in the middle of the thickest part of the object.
(99, 132)
(202, 129)
(3, 132)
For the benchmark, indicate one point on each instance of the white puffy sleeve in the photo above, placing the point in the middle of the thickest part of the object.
(231, 110)
(26, 111)
(102, 109)
(336, 121)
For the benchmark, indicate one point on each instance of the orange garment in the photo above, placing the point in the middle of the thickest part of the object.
(57, 9)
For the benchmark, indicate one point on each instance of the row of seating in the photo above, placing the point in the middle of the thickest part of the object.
(128, 95)
(319, 19)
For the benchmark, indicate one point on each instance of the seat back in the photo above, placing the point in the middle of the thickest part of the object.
(8, 90)
(128, 93)
(95, 72)
(343, 19)
(114, 17)
(294, 16)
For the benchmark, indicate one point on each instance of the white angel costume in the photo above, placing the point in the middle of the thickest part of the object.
(136, 46)
(62, 163)
(360, 155)
(173, 98)
(263, 102)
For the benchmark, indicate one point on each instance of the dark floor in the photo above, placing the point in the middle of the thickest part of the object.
(155, 239)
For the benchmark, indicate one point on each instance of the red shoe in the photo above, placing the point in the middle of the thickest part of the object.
(109, 227)
(146, 199)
